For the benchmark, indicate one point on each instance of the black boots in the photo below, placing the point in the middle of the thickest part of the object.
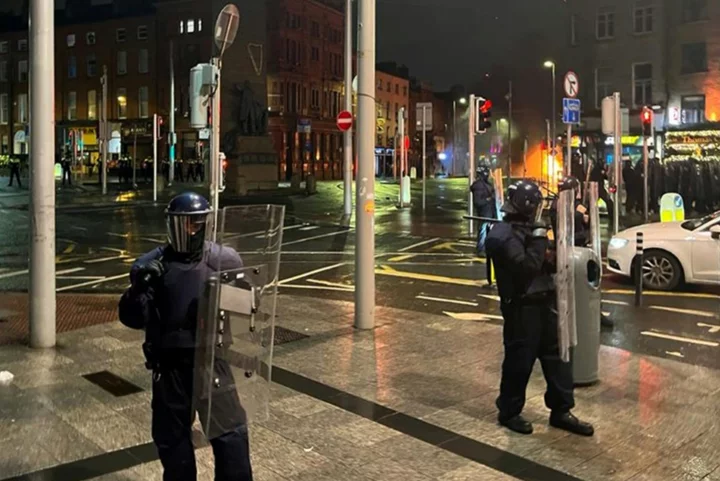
(517, 423)
(568, 422)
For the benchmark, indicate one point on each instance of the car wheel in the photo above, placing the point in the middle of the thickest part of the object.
(660, 271)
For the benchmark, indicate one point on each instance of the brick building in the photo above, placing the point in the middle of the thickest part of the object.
(305, 86)
(392, 92)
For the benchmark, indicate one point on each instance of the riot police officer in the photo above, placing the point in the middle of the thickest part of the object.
(483, 194)
(519, 249)
(166, 285)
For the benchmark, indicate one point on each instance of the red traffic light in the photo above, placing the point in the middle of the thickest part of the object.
(486, 106)
(646, 116)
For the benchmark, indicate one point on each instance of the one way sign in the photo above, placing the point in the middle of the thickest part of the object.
(571, 111)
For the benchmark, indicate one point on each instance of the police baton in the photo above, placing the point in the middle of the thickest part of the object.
(497, 221)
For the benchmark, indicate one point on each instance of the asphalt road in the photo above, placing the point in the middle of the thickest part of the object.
(424, 262)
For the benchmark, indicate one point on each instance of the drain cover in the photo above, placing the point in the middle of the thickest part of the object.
(284, 336)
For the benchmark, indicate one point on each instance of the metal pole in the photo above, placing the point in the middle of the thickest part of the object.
(42, 178)
(347, 135)
(134, 165)
(554, 110)
(639, 254)
(525, 148)
(171, 135)
(365, 187)
(104, 130)
(566, 164)
(215, 150)
(424, 160)
(616, 164)
(549, 154)
(645, 177)
(401, 123)
(155, 156)
(509, 159)
(394, 158)
(455, 137)
(471, 157)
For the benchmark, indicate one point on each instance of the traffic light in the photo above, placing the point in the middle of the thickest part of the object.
(646, 117)
(483, 112)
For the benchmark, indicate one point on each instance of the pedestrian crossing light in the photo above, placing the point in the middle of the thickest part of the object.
(483, 112)
(646, 116)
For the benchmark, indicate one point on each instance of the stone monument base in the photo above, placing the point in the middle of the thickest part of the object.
(255, 167)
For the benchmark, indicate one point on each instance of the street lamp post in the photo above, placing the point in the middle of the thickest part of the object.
(462, 101)
(551, 65)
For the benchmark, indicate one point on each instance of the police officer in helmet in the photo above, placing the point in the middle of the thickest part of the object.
(483, 194)
(519, 249)
(163, 299)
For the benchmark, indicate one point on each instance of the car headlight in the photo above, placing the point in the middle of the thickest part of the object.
(618, 243)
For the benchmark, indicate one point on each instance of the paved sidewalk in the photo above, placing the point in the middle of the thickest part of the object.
(411, 400)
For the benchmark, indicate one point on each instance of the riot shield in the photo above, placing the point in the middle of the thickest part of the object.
(236, 313)
(594, 214)
(499, 192)
(565, 276)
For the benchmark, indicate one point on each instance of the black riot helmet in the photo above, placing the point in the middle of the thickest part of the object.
(187, 216)
(523, 198)
(482, 172)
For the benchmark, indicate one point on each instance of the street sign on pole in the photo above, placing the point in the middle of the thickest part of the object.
(571, 111)
(344, 121)
(571, 84)
(304, 125)
(424, 108)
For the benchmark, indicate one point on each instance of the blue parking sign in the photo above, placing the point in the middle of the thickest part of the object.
(571, 111)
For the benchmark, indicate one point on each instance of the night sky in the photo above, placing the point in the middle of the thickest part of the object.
(455, 41)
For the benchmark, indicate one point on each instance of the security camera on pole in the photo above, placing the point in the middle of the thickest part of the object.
(205, 95)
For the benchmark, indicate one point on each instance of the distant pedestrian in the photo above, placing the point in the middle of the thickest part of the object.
(14, 171)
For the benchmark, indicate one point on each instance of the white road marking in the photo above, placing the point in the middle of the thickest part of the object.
(69, 271)
(429, 241)
(13, 274)
(617, 303)
(680, 338)
(451, 301)
(712, 328)
(105, 259)
(330, 234)
(150, 239)
(691, 312)
(124, 236)
(84, 229)
(91, 283)
(472, 316)
(310, 273)
(674, 353)
(332, 284)
(112, 249)
(320, 288)
(491, 297)
(80, 278)
(309, 227)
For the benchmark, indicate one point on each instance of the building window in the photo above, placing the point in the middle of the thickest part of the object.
(142, 32)
(4, 47)
(3, 71)
(405, 90)
(72, 106)
(397, 89)
(92, 105)
(573, 30)
(315, 30)
(143, 104)
(602, 85)
(605, 24)
(22, 111)
(694, 10)
(70, 40)
(388, 87)
(199, 25)
(5, 144)
(4, 109)
(190, 26)
(122, 62)
(72, 66)
(143, 61)
(315, 54)
(315, 99)
(642, 84)
(387, 111)
(122, 102)
(693, 109)
(120, 35)
(22, 71)
(22, 45)
(90, 38)
(642, 17)
(182, 26)
(91, 65)
(694, 58)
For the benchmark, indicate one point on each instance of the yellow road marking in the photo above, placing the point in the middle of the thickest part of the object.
(692, 312)
(472, 316)
(389, 271)
(333, 284)
(401, 258)
(696, 295)
(70, 248)
(410, 247)
(712, 328)
(680, 338)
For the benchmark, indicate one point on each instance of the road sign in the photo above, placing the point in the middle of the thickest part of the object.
(571, 111)
(304, 125)
(344, 120)
(427, 106)
(571, 84)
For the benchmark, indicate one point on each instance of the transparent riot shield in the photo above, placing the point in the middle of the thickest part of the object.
(565, 276)
(233, 361)
(499, 192)
(594, 214)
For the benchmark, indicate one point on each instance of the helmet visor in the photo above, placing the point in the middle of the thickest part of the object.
(187, 232)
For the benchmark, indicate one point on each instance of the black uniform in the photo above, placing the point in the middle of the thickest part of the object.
(483, 194)
(14, 171)
(163, 299)
(530, 332)
(598, 174)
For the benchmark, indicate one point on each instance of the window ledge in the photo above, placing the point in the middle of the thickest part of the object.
(704, 72)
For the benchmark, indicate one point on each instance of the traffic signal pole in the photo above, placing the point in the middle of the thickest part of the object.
(348, 134)
(472, 113)
(42, 179)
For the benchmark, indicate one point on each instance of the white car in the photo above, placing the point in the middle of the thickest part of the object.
(674, 252)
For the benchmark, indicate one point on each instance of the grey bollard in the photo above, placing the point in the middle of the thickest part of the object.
(587, 308)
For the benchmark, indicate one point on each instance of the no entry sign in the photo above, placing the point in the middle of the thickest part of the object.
(344, 120)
